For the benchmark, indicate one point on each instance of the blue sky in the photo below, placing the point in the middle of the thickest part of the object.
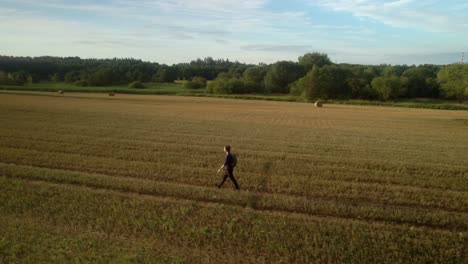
(252, 31)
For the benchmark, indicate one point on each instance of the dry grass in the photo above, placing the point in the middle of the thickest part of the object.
(133, 176)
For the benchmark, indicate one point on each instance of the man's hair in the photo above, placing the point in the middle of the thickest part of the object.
(228, 148)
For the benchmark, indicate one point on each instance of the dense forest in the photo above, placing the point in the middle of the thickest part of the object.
(312, 76)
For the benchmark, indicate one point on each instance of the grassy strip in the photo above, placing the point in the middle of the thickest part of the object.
(412, 149)
(33, 240)
(148, 149)
(433, 104)
(177, 89)
(274, 237)
(167, 169)
(318, 187)
(416, 103)
(262, 201)
(155, 89)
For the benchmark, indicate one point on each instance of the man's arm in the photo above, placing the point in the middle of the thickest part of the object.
(224, 164)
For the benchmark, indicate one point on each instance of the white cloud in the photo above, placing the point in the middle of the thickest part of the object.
(179, 30)
(398, 3)
(185, 17)
(424, 15)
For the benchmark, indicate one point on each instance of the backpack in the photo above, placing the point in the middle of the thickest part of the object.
(234, 160)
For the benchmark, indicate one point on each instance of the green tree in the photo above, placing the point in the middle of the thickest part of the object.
(280, 75)
(360, 88)
(333, 80)
(57, 77)
(102, 77)
(214, 87)
(253, 79)
(370, 73)
(388, 87)
(136, 85)
(235, 86)
(359, 80)
(165, 74)
(308, 86)
(196, 83)
(20, 78)
(81, 83)
(227, 86)
(72, 76)
(420, 83)
(330, 81)
(308, 60)
(3, 77)
(135, 75)
(254, 74)
(432, 87)
(454, 81)
(389, 71)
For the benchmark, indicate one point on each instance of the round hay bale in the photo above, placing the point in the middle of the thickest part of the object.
(60, 91)
(111, 94)
(318, 104)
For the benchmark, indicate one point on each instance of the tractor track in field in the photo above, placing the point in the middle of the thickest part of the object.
(55, 137)
(211, 202)
(130, 148)
(342, 200)
(141, 131)
(360, 180)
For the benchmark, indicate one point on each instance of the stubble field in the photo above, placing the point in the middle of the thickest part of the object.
(131, 178)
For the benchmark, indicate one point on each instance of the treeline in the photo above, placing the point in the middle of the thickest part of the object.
(104, 72)
(312, 76)
(315, 76)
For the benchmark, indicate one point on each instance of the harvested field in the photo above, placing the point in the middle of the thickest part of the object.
(131, 178)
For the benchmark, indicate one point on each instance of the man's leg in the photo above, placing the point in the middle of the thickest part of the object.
(231, 176)
(224, 179)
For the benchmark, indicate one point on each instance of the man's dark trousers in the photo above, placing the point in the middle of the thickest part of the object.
(229, 173)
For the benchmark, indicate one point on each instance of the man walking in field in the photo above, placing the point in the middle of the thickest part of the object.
(229, 163)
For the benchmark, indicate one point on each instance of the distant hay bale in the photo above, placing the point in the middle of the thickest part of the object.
(111, 94)
(318, 104)
(60, 91)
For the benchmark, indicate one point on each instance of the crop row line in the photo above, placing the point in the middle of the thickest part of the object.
(403, 195)
(108, 166)
(348, 199)
(349, 164)
(381, 194)
(354, 178)
(259, 201)
(145, 143)
(157, 129)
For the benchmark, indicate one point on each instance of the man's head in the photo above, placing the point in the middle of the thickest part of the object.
(227, 148)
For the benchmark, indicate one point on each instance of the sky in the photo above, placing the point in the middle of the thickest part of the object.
(249, 31)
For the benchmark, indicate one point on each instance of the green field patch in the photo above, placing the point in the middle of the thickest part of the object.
(462, 121)
(178, 88)
(151, 88)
